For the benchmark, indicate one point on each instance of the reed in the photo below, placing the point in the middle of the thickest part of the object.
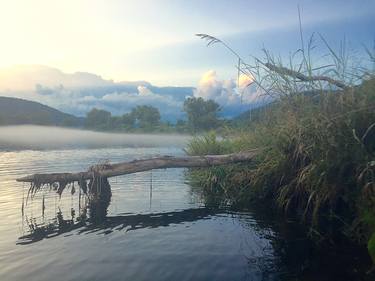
(317, 144)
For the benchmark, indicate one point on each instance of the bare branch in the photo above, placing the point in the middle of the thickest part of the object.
(295, 74)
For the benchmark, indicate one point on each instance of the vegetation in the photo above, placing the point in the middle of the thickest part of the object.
(202, 115)
(316, 146)
(97, 118)
(146, 116)
(142, 118)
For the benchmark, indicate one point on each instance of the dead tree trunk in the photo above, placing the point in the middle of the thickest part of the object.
(112, 170)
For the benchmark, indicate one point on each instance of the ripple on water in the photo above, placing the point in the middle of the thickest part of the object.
(167, 236)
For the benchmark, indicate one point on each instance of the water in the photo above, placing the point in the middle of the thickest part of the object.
(154, 227)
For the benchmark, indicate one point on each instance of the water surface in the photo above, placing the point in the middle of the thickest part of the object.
(153, 228)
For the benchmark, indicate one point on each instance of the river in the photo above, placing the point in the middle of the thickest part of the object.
(155, 227)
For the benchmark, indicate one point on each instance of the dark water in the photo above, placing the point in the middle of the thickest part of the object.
(153, 228)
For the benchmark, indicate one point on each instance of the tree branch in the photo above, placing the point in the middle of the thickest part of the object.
(295, 74)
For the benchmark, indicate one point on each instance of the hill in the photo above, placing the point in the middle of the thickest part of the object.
(252, 115)
(14, 111)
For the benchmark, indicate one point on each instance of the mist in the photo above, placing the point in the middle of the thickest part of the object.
(43, 137)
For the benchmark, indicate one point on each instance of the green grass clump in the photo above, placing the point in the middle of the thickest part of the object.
(208, 144)
(316, 142)
(317, 162)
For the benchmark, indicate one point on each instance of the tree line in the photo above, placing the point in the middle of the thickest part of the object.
(201, 115)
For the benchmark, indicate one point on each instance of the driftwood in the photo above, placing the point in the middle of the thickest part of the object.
(112, 170)
(304, 78)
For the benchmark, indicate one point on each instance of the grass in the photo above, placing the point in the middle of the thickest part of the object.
(318, 147)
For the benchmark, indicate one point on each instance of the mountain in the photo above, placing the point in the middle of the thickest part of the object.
(14, 111)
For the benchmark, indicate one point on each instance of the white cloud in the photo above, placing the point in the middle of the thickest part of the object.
(144, 97)
(226, 92)
(144, 91)
(121, 102)
(245, 81)
(79, 92)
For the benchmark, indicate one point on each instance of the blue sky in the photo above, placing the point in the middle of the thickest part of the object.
(153, 40)
(190, 58)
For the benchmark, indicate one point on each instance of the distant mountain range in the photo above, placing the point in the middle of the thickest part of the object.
(14, 111)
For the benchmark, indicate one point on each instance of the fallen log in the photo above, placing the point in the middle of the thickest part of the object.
(112, 170)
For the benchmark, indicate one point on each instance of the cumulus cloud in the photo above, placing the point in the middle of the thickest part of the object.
(210, 87)
(245, 81)
(226, 92)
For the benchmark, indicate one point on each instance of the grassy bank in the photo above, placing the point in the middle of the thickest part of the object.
(316, 156)
(316, 161)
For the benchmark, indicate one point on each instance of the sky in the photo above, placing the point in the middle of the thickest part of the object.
(99, 44)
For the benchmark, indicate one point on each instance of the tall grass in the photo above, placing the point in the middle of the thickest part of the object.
(317, 141)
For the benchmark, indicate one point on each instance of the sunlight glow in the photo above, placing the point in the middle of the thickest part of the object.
(140, 40)
(244, 80)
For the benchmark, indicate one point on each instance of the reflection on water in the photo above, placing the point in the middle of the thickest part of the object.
(261, 262)
(92, 217)
(151, 226)
(107, 225)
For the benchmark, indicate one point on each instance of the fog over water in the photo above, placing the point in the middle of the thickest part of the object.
(43, 137)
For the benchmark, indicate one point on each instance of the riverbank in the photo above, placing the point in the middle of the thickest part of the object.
(316, 164)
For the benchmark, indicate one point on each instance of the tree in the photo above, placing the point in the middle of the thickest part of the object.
(70, 121)
(128, 120)
(181, 126)
(202, 115)
(147, 117)
(115, 123)
(97, 119)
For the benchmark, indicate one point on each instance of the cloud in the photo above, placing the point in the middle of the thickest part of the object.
(245, 81)
(143, 97)
(144, 91)
(210, 87)
(27, 77)
(42, 90)
(79, 92)
(119, 103)
(226, 92)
